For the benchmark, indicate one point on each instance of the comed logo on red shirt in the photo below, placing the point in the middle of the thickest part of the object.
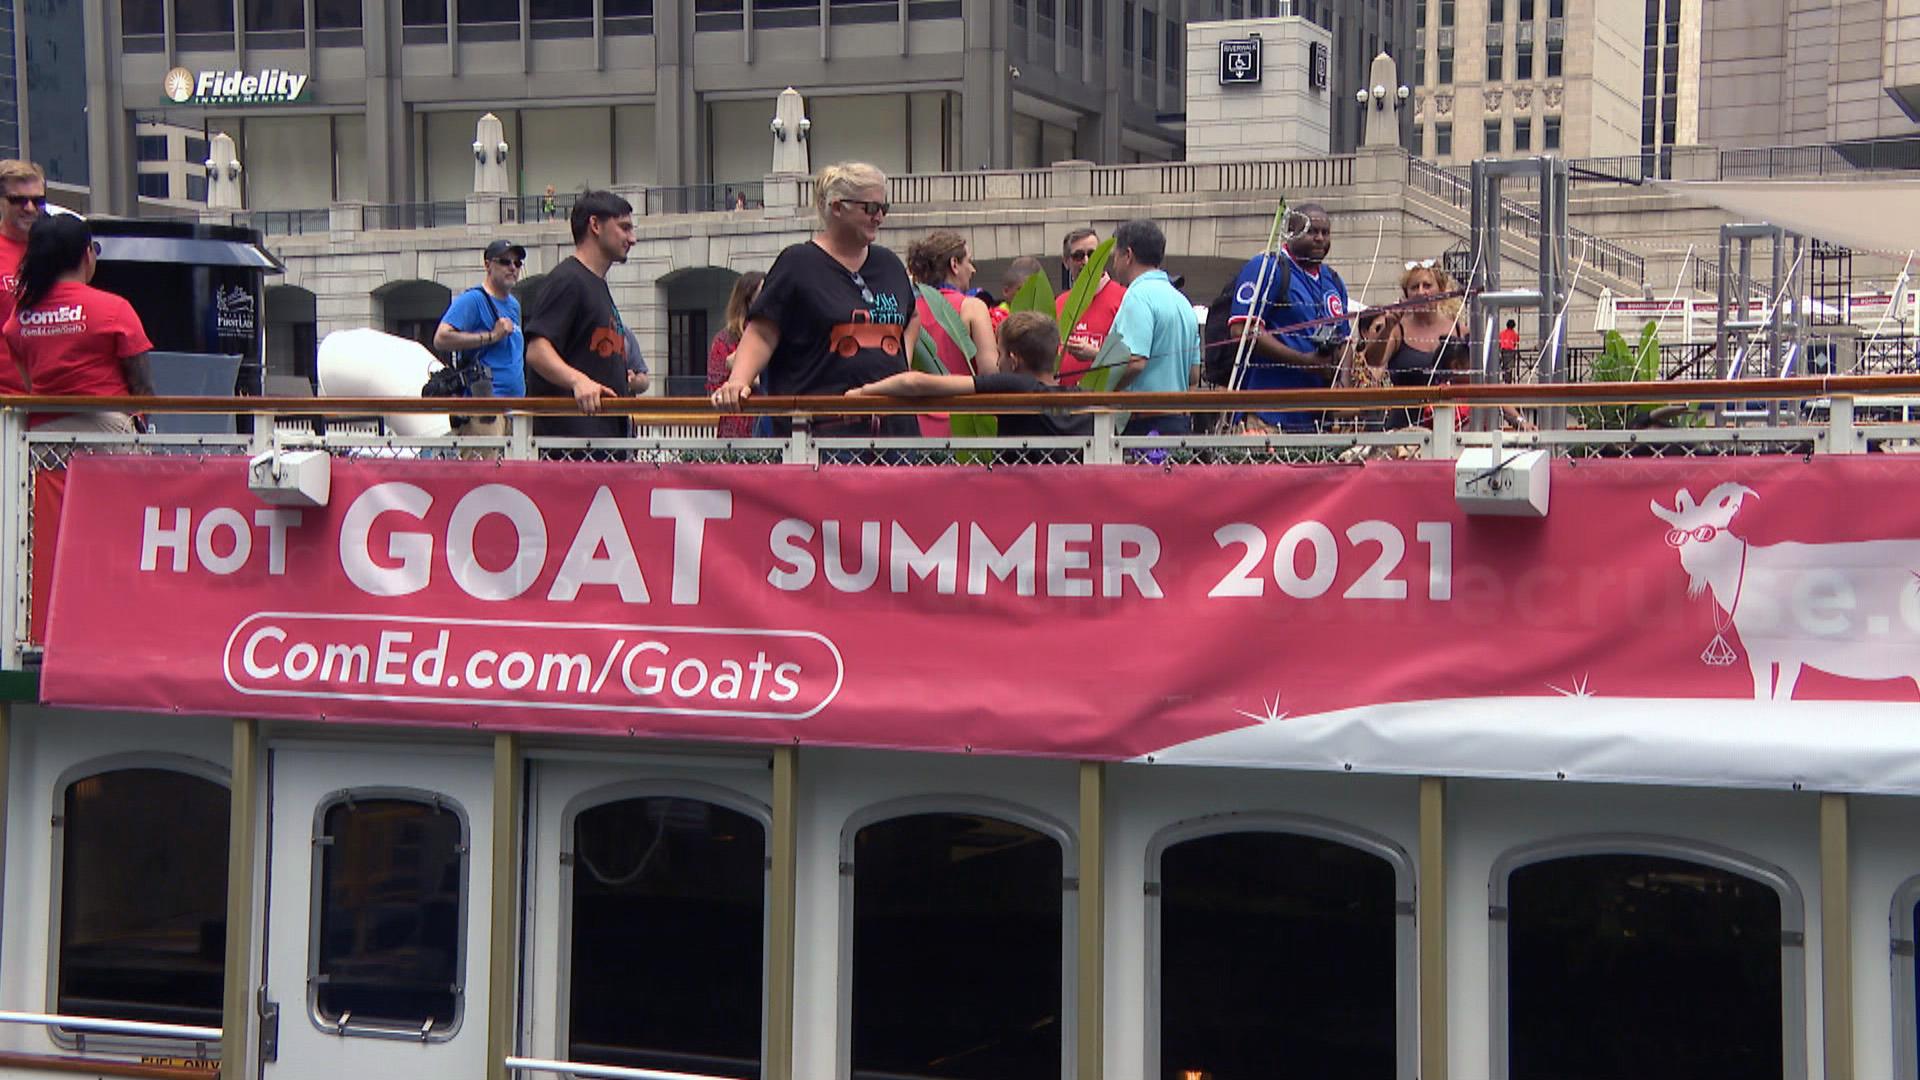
(45, 322)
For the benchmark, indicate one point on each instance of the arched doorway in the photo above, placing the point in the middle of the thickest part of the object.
(412, 309)
(696, 303)
(292, 339)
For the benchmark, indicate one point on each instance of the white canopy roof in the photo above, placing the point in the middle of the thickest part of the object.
(1866, 215)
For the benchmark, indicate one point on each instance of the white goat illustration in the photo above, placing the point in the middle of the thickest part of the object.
(1850, 608)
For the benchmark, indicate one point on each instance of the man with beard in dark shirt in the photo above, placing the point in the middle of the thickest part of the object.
(576, 343)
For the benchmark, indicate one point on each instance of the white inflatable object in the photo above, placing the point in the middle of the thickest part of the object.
(368, 363)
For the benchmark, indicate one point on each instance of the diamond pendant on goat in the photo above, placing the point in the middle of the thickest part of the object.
(1719, 653)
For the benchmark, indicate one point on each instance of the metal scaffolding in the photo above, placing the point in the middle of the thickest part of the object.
(1548, 298)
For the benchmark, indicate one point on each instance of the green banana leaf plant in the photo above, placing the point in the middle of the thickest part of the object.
(1036, 294)
(926, 358)
(1622, 362)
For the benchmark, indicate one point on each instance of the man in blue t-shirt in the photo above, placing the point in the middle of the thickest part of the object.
(483, 324)
(1303, 357)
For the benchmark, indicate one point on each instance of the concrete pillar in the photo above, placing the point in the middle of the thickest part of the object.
(1073, 178)
(1105, 145)
(789, 135)
(1383, 115)
(346, 217)
(986, 101)
(390, 149)
(490, 151)
(676, 107)
(110, 163)
(223, 174)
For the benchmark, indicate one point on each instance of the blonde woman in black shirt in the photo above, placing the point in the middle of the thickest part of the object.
(836, 312)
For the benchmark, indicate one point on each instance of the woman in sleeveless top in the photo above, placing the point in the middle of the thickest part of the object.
(720, 354)
(943, 261)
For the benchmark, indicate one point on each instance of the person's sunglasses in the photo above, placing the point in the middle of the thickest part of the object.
(1079, 256)
(1422, 264)
(25, 200)
(515, 263)
(869, 207)
(866, 294)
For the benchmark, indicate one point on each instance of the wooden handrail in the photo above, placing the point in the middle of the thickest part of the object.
(664, 409)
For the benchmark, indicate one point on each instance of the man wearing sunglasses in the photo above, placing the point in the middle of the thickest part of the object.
(25, 187)
(1084, 340)
(482, 329)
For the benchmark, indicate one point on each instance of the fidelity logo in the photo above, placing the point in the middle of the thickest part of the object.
(267, 86)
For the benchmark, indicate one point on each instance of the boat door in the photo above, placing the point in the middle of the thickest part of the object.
(377, 896)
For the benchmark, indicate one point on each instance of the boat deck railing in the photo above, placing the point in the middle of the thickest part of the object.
(1695, 419)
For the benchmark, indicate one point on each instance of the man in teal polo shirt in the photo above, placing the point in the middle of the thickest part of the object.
(1157, 323)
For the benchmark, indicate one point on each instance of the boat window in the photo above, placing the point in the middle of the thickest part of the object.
(668, 925)
(1639, 965)
(957, 949)
(143, 897)
(391, 878)
(1277, 946)
(1906, 978)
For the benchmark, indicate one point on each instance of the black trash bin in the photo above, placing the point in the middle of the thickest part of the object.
(199, 289)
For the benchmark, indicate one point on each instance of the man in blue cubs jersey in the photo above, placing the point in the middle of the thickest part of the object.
(1303, 357)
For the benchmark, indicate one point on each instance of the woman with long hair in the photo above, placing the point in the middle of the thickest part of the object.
(943, 261)
(720, 354)
(836, 312)
(1432, 346)
(70, 338)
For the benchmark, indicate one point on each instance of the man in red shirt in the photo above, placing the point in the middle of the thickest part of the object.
(1083, 342)
(25, 188)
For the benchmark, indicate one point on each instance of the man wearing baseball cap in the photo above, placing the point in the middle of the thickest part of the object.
(483, 325)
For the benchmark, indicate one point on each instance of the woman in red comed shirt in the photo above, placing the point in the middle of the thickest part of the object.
(70, 338)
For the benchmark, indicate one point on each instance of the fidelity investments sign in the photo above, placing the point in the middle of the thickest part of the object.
(269, 86)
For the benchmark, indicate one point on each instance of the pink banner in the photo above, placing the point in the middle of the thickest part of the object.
(1089, 612)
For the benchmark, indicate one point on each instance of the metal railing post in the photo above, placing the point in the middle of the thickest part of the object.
(16, 585)
(1443, 445)
(520, 437)
(800, 448)
(1102, 450)
(1843, 435)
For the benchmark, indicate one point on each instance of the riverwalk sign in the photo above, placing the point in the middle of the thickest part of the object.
(1240, 61)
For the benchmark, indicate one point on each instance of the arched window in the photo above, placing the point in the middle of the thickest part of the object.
(667, 933)
(1906, 978)
(390, 881)
(1276, 938)
(1619, 956)
(958, 944)
(141, 895)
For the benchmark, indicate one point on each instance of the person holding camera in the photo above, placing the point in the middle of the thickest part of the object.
(1297, 288)
(482, 327)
